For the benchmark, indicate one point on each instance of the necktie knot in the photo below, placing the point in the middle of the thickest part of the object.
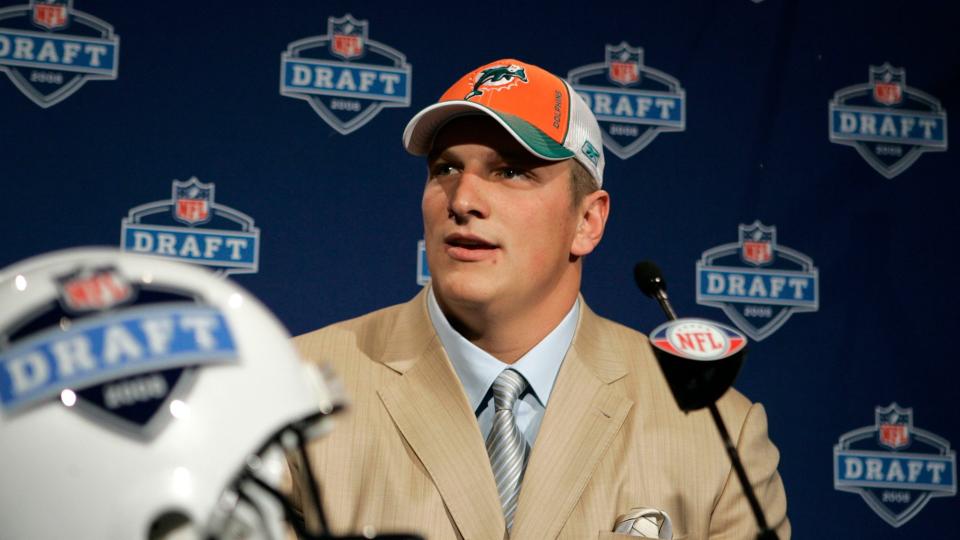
(506, 388)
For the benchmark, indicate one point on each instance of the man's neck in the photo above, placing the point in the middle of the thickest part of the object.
(504, 335)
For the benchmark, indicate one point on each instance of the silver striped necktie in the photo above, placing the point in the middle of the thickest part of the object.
(506, 446)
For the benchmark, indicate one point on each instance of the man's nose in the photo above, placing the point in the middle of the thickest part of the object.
(468, 197)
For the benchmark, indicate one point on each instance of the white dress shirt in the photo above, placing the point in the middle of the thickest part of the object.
(477, 369)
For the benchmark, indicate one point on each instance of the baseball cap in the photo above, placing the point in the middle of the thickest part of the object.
(540, 110)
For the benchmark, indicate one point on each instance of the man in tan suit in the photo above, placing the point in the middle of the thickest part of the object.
(511, 205)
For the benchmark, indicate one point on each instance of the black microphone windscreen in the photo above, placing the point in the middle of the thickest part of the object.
(648, 278)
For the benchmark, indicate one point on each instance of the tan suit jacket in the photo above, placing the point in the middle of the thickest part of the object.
(408, 454)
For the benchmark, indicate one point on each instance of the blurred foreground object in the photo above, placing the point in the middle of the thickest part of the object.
(143, 398)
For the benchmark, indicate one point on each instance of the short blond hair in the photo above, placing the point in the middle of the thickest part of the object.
(582, 183)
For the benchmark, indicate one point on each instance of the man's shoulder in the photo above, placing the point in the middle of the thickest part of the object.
(356, 333)
(385, 336)
(376, 318)
(603, 334)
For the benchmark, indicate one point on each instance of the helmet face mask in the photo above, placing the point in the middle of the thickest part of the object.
(143, 398)
(261, 494)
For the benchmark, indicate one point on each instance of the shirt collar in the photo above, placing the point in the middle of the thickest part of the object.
(477, 369)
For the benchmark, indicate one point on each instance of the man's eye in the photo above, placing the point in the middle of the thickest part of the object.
(512, 172)
(443, 169)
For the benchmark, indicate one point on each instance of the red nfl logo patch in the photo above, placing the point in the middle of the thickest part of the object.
(193, 210)
(624, 72)
(757, 252)
(893, 426)
(94, 290)
(888, 83)
(192, 201)
(887, 93)
(757, 243)
(50, 16)
(894, 436)
(347, 36)
(624, 64)
(347, 46)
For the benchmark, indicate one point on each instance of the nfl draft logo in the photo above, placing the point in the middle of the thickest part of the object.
(325, 72)
(45, 62)
(756, 282)
(632, 102)
(120, 364)
(889, 123)
(230, 244)
(896, 467)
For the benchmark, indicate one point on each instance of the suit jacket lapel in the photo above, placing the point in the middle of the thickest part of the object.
(582, 417)
(429, 407)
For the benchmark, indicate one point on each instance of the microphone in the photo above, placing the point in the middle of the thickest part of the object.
(700, 360)
(649, 279)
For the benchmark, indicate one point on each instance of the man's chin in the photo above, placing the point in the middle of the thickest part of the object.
(462, 291)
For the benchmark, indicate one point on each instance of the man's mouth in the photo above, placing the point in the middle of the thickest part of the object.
(468, 247)
(469, 243)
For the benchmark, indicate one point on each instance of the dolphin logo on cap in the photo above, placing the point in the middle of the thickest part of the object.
(496, 76)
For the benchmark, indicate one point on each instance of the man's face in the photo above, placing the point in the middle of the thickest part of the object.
(499, 222)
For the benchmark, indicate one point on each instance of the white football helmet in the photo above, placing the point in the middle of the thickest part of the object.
(143, 398)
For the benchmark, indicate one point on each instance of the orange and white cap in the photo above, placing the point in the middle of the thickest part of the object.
(540, 110)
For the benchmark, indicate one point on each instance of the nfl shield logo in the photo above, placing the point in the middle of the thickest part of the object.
(191, 201)
(51, 14)
(348, 36)
(93, 289)
(757, 243)
(894, 426)
(623, 64)
(887, 84)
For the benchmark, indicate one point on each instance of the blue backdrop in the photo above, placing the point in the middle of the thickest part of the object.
(862, 207)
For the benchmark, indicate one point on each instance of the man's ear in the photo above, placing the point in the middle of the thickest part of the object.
(593, 213)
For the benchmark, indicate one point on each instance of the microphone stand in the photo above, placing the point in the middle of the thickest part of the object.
(656, 288)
